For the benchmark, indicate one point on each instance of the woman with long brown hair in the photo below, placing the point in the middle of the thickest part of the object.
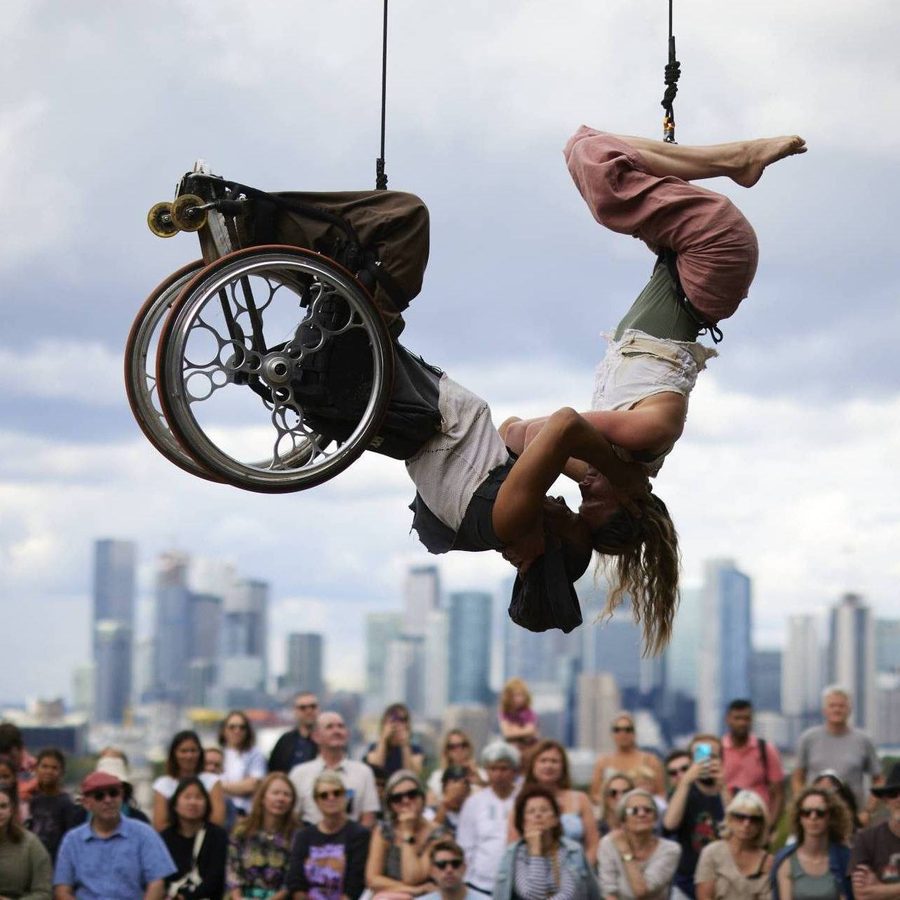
(548, 767)
(260, 846)
(456, 751)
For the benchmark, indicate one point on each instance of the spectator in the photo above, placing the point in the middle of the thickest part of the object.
(114, 762)
(627, 758)
(197, 845)
(362, 797)
(456, 751)
(875, 860)
(696, 808)
(398, 859)
(815, 867)
(448, 872)
(53, 812)
(634, 862)
(455, 790)
(25, 867)
(12, 747)
(837, 745)
(8, 777)
(328, 860)
(185, 760)
(394, 749)
(645, 778)
(518, 721)
(676, 763)
(260, 845)
(829, 780)
(544, 863)
(213, 760)
(549, 767)
(483, 819)
(111, 855)
(749, 762)
(616, 787)
(737, 867)
(243, 765)
(297, 746)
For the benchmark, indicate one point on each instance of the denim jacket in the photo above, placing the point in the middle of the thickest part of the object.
(838, 862)
(573, 859)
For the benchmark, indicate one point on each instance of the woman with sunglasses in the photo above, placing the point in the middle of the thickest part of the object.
(634, 862)
(626, 758)
(548, 766)
(186, 760)
(544, 863)
(398, 863)
(737, 867)
(328, 860)
(616, 786)
(260, 845)
(197, 845)
(25, 867)
(244, 766)
(456, 752)
(815, 867)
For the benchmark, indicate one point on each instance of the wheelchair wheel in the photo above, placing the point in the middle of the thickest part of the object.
(140, 370)
(275, 368)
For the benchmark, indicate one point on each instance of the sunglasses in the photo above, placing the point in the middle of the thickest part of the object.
(448, 864)
(626, 729)
(813, 812)
(103, 793)
(680, 770)
(892, 794)
(236, 726)
(746, 817)
(458, 745)
(306, 706)
(331, 795)
(400, 796)
(639, 811)
(614, 792)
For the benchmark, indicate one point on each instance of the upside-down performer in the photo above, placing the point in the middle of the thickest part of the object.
(707, 256)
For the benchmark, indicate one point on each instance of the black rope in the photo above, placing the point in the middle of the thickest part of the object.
(380, 175)
(672, 74)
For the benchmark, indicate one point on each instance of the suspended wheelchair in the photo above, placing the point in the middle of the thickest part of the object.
(269, 363)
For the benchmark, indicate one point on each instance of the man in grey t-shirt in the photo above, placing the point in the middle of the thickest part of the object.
(837, 745)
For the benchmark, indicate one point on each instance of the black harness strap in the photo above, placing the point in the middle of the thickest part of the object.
(668, 257)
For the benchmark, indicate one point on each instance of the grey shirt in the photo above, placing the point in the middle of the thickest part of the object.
(658, 869)
(852, 755)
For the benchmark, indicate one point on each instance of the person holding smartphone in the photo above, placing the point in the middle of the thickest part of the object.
(696, 810)
(394, 749)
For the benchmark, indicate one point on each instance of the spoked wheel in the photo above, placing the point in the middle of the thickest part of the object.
(275, 368)
(140, 370)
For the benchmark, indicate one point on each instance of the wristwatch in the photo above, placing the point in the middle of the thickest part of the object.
(628, 857)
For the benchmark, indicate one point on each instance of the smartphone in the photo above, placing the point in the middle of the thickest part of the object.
(702, 753)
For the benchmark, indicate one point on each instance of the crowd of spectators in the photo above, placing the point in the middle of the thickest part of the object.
(711, 820)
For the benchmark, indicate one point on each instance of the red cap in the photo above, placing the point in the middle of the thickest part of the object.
(97, 780)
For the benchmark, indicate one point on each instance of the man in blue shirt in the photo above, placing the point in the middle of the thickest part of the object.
(110, 857)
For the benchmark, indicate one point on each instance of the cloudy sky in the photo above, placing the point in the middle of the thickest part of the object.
(788, 464)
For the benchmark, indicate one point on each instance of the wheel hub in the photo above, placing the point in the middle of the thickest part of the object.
(276, 368)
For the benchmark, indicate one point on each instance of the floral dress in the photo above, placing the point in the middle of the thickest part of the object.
(258, 863)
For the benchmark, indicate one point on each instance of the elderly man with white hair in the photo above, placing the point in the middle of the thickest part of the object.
(838, 746)
(483, 819)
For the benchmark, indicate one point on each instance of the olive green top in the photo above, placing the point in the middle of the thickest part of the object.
(26, 872)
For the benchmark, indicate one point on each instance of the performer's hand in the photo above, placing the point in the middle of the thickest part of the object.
(523, 552)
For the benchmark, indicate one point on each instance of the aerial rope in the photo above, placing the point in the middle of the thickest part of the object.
(672, 74)
(380, 175)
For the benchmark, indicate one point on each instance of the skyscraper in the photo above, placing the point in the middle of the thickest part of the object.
(470, 647)
(114, 596)
(724, 652)
(381, 629)
(852, 655)
(765, 679)
(171, 651)
(437, 664)
(801, 669)
(421, 595)
(305, 662)
(244, 667)
(598, 702)
(887, 645)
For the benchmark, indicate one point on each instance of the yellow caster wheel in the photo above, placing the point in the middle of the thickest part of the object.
(159, 220)
(185, 214)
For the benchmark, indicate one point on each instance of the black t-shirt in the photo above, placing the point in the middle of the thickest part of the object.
(326, 866)
(699, 827)
(51, 816)
(394, 758)
(210, 860)
(879, 849)
(292, 749)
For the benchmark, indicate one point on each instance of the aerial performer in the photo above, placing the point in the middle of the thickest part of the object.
(706, 260)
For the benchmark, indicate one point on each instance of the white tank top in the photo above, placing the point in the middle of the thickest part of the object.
(450, 466)
(639, 365)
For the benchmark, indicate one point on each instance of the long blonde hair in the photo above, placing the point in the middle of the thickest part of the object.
(506, 696)
(645, 568)
(253, 821)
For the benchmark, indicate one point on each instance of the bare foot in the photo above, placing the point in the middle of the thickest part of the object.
(761, 153)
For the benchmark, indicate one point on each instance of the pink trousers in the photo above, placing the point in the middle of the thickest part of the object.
(715, 245)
